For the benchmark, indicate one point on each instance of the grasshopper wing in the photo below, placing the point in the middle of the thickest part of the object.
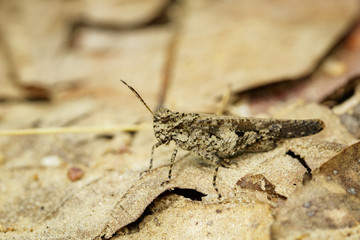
(288, 128)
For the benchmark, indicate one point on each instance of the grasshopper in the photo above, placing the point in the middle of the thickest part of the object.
(218, 139)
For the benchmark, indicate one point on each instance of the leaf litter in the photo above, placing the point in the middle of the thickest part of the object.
(41, 202)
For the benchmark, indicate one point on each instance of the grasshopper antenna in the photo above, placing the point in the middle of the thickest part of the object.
(138, 96)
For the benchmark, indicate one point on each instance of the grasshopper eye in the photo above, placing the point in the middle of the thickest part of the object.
(165, 119)
(163, 115)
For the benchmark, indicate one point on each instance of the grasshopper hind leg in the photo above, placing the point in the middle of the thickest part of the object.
(217, 161)
(261, 146)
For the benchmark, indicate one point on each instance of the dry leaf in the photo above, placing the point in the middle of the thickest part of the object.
(70, 64)
(251, 44)
(352, 121)
(328, 202)
(196, 220)
(335, 73)
(349, 111)
(259, 183)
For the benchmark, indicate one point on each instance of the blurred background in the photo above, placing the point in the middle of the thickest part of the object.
(184, 54)
(61, 63)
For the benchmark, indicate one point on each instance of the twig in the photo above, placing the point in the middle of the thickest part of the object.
(62, 130)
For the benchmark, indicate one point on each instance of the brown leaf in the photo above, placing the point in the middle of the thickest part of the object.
(262, 42)
(69, 64)
(349, 111)
(352, 121)
(344, 169)
(258, 183)
(328, 202)
(53, 207)
(196, 220)
(332, 76)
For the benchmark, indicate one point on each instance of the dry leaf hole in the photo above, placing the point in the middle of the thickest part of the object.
(188, 193)
(300, 159)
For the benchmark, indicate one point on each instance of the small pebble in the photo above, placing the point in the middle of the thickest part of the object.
(36, 177)
(211, 198)
(352, 191)
(51, 161)
(75, 173)
(307, 205)
(311, 213)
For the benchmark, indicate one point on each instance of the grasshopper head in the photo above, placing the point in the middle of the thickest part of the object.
(164, 120)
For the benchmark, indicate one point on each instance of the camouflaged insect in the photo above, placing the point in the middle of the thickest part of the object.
(218, 139)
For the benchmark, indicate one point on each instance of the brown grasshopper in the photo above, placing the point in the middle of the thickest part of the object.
(218, 139)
